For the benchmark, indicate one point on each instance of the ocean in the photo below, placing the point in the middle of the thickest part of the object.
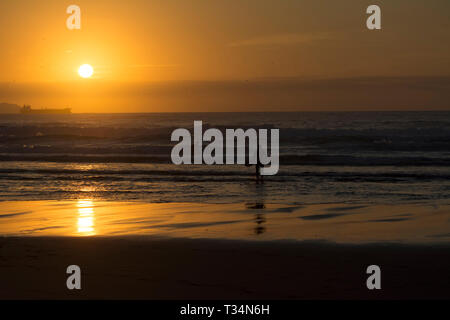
(325, 157)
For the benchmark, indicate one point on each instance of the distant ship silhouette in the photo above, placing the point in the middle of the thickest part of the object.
(28, 110)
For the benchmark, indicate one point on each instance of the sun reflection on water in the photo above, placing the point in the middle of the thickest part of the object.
(86, 221)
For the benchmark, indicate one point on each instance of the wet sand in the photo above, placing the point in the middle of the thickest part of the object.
(335, 222)
(135, 250)
(163, 268)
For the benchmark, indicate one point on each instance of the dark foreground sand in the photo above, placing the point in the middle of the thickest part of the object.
(159, 268)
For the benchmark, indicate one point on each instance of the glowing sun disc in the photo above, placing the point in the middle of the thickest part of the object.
(85, 71)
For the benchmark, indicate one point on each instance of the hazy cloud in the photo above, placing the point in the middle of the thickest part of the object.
(154, 65)
(283, 94)
(281, 39)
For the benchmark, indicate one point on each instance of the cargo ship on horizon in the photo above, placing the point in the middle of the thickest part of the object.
(28, 110)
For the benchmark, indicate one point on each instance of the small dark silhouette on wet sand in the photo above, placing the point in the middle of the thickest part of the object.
(258, 166)
(259, 177)
(259, 217)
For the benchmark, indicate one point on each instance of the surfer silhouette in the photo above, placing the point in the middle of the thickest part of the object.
(258, 166)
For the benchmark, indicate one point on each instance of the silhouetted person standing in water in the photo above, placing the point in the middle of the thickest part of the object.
(258, 166)
(259, 177)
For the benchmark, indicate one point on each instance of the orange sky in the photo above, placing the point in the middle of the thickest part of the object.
(138, 47)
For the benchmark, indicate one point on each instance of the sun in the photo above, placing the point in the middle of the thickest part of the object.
(85, 71)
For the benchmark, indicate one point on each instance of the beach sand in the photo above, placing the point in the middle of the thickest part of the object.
(335, 222)
(234, 251)
(161, 268)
